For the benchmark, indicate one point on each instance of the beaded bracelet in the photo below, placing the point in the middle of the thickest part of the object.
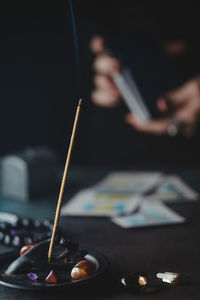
(16, 231)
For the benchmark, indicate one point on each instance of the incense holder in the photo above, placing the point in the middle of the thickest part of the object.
(32, 271)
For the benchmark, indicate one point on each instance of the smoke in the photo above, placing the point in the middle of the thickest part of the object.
(76, 46)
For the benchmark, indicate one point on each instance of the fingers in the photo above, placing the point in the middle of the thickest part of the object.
(107, 65)
(162, 105)
(104, 63)
(181, 95)
(105, 98)
(189, 114)
(177, 96)
(97, 44)
(104, 83)
(105, 94)
(157, 127)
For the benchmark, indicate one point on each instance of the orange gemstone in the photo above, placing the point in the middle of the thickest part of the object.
(25, 248)
(82, 269)
(51, 278)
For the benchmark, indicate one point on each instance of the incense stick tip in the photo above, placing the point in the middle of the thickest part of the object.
(80, 101)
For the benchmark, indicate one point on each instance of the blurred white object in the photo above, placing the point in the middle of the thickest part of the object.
(32, 172)
(131, 95)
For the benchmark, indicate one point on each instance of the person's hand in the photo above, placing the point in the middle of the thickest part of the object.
(105, 93)
(181, 104)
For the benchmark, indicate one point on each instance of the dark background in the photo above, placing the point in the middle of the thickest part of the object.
(39, 89)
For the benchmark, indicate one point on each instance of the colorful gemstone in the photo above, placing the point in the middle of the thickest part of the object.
(168, 277)
(32, 276)
(82, 269)
(51, 278)
(135, 281)
(25, 248)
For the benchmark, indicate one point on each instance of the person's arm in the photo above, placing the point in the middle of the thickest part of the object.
(182, 104)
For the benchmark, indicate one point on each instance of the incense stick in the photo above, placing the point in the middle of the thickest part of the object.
(60, 198)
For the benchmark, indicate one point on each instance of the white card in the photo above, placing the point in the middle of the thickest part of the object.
(151, 213)
(132, 97)
(173, 188)
(129, 182)
(91, 203)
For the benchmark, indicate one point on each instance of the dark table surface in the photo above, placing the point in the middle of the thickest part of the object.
(150, 250)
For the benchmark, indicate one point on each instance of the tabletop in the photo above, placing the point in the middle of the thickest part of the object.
(150, 250)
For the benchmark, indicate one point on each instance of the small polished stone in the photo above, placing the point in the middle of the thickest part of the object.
(168, 277)
(64, 241)
(135, 281)
(32, 276)
(25, 248)
(51, 278)
(82, 269)
(28, 240)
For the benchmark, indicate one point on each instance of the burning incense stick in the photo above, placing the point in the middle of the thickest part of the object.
(60, 198)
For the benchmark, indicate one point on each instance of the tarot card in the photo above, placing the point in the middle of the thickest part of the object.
(129, 182)
(91, 203)
(173, 188)
(131, 95)
(151, 213)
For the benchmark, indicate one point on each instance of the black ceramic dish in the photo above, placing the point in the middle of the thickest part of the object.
(22, 281)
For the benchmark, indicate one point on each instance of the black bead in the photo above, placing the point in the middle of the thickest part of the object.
(7, 239)
(16, 241)
(28, 240)
(4, 226)
(1, 236)
(26, 222)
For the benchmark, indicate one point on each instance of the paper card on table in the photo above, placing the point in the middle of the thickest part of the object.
(151, 213)
(173, 188)
(132, 182)
(91, 203)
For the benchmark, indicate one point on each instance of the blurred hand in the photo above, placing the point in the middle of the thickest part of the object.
(182, 103)
(105, 92)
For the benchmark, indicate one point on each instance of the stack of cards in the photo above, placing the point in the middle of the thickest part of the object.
(132, 199)
(151, 213)
(135, 183)
(116, 194)
(173, 188)
(131, 95)
(104, 204)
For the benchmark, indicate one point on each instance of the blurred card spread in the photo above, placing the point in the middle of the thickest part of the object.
(91, 203)
(132, 182)
(132, 199)
(151, 213)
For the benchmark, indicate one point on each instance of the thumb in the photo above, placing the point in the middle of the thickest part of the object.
(162, 105)
(97, 44)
